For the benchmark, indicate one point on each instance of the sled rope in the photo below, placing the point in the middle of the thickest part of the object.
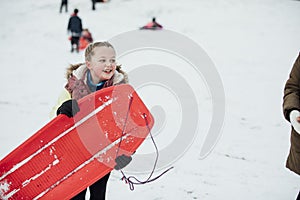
(135, 181)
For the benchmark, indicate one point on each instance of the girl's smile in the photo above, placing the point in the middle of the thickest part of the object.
(102, 64)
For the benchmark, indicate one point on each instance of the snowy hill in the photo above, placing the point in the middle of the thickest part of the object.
(253, 45)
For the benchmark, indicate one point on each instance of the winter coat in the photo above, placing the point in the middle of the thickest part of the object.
(77, 86)
(75, 25)
(291, 101)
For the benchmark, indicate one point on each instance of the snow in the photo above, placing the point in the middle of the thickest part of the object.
(253, 45)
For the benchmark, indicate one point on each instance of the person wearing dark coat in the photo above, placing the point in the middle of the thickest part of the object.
(75, 28)
(291, 111)
(64, 3)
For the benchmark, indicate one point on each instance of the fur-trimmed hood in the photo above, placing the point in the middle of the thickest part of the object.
(80, 73)
(77, 80)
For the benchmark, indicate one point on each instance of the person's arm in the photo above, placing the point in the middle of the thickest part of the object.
(80, 25)
(291, 96)
(158, 25)
(69, 25)
(64, 96)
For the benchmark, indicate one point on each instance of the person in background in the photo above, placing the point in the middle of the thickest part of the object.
(93, 5)
(153, 25)
(64, 3)
(99, 71)
(97, 1)
(75, 28)
(85, 39)
(291, 111)
(87, 35)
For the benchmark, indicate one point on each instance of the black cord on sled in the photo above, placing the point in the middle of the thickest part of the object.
(131, 180)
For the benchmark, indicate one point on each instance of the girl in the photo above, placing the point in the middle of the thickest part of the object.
(98, 71)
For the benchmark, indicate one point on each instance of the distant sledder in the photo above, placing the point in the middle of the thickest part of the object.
(98, 1)
(75, 29)
(85, 39)
(153, 25)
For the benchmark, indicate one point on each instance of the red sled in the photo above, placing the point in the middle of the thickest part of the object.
(83, 43)
(69, 154)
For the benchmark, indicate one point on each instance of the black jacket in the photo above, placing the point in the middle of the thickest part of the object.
(75, 25)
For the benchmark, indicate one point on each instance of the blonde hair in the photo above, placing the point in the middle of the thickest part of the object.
(89, 52)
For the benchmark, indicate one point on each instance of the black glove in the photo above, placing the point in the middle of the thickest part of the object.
(122, 161)
(69, 108)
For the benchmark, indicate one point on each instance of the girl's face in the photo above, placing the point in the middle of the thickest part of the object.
(102, 64)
